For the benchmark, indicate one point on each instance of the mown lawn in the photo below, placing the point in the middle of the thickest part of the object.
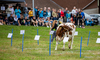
(32, 51)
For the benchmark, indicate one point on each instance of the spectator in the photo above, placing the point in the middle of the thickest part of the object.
(34, 21)
(61, 20)
(8, 11)
(83, 23)
(17, 12)
(92, 22)
(31, 14)
(68, 16)
(49, 22)
(4, 16)
(16, 20)
(41, 13)
(1, 19)
(12, 10)
(6, 20)
(11, 19)
(37, 13)
(49, 14)
(25, 10)
(58, 15)
(45, 13)
(79, 16)
(62, 13)
(74, 11)
(27, 21)
(54, 14)
(36, 10)
(21, 21)
(41, 22)
(82, 13)
(66, 11)
(46, 23)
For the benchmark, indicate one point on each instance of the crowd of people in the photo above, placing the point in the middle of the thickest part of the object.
(43, 16)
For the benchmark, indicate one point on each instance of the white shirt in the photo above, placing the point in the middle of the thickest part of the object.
(15, 19)
(74, 12)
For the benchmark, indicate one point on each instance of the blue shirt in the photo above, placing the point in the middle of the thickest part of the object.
(17, 12)
(82, 13)
(41, 14)
(68, 15)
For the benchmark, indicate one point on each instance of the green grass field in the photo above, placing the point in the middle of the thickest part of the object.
(32, 51)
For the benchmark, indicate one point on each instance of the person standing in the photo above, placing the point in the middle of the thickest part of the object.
(8, 11)
(53, 28)
(79, 16)
(68, 16)
(54, 14)
(35, 10)
(45, 13)
(17, 12)
(74, 11)
(12, 10)
(41, 13)
(62, 13)
(31, 14)
(25, 10)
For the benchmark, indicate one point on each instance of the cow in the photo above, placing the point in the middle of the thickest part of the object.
(65, 30)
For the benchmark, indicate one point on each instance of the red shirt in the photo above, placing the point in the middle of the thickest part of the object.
(62, 13)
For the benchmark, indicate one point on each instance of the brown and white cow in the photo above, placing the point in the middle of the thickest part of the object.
(65, 30)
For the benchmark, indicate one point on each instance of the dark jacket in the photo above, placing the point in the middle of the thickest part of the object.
(25, 10)
(11, 19)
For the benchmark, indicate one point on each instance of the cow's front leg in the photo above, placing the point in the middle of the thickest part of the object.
(56, 45)
(63, 46)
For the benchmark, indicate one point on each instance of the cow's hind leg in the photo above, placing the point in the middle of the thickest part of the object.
(69, 45)
(72, 42)
(63, 46)
(56, 45)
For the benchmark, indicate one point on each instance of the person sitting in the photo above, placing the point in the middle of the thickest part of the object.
(4, 16)
(1, 19)
(27, 21)
(34, 21)
(21, 21)
(49, 22)
(41, 22)
(6, 20)
(11, 19)
(87, 22)
(16, 20)
(46, 23)
(92, 23)
(61, 20)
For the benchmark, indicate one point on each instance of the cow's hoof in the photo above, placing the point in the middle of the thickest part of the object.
(63, 49)
(69, 47)
(55, 49)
